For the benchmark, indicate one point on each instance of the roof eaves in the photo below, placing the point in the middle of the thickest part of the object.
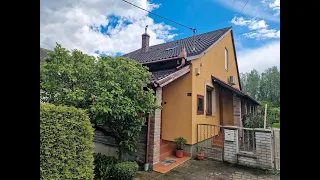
(236, 90)
(205, 51)
(168, 79)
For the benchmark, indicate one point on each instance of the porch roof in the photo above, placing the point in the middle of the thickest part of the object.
(164, 77)
(233, 89)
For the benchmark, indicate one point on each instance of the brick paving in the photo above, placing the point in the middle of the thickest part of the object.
(208, 170)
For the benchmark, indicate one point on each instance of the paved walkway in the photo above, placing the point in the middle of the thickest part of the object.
(208, 170)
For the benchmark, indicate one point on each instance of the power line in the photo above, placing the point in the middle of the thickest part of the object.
(243, 7)
(192, 29)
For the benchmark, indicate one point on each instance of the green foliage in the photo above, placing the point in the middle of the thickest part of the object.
(256, 120)
(274, 114)
(125, 170)
(179, 143)
(112, 90)
(276, 125)
(66, 143)
(250, 83)
(264, 86)
(103, 165)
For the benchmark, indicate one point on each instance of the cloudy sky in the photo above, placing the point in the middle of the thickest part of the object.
(113, 27)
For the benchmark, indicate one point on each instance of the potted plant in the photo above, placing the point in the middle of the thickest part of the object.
(179, 144)
(200, 154)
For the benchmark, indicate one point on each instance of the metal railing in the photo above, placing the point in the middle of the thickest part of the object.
(246, 139)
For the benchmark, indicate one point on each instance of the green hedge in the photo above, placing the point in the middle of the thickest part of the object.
(124, 170)
(66, 143)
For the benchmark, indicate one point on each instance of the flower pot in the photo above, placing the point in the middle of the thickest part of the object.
(179, 153)
(200, 156)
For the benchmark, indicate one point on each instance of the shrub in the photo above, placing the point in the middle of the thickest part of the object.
(103, 165)
(125, 170)
(66, 143)
(179, 143)
(274, 114)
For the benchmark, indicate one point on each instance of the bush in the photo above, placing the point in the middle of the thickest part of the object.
(274, 114)
(66, 143)
(103, 165)
(179, 143)
(255, 120)
(125, 170)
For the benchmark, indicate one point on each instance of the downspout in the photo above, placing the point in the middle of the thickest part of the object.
(146, 165)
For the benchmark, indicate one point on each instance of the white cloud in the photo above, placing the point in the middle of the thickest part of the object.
(259, 27)
(251, 23)
(76, 24)
(240, 21)
(274, 5)
(252, 9)
(260, 58)
(263, 34)
(258, 24)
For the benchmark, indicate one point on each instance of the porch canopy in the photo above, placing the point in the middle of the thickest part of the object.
(233, 89)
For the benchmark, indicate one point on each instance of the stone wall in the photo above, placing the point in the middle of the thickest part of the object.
(249, 160)
(264, 148)
(262, 157)
(231, 148)
(106, 145)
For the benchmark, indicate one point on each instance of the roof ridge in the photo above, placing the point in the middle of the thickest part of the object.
(221, 29)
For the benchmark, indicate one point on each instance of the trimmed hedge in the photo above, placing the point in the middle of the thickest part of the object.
(124, 170)
(66, 143)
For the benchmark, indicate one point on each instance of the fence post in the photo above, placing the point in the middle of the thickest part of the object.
(231, 144)
(264, 148)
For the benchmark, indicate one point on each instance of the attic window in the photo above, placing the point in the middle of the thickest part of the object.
(168, 49)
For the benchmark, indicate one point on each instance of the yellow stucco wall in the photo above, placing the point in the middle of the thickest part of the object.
(179, 114)
(176, 113)
(212, 64)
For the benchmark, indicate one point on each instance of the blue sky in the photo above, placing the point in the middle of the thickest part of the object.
(112, 27)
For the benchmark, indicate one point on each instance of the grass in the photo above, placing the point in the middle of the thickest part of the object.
(276, 125)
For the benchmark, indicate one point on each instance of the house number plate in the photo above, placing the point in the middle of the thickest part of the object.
(228, 135)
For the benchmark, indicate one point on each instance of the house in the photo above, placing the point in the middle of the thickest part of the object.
(196, 81)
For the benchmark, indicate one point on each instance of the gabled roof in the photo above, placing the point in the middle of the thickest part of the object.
(173, 48)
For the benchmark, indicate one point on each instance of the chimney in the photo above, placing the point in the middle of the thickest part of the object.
(145, 40)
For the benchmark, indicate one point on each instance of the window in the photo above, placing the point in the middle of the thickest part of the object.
(200, 104)
(210, 101)
(226, 59)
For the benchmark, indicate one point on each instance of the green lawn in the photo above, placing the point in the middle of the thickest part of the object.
(276, 125)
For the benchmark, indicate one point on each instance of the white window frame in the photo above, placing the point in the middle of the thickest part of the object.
(226, 59)
(213, 99)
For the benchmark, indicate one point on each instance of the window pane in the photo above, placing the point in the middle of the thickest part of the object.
(200, 103)
(226, 59)
(208, 107)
